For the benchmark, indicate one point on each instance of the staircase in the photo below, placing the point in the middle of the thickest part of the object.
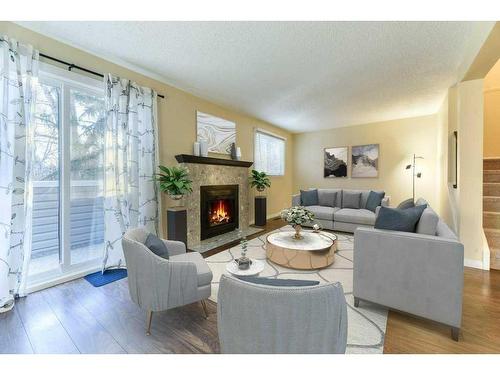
(491, 208)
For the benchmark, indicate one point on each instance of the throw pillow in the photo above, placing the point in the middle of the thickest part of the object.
(428, 222)
(309, 197)
(398, 219)
(351, 199)
(327, 198)
(278, 282)
(156, 245)
(374, 200)
(409, 203)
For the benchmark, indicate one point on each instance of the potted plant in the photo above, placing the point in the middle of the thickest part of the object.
(259, 180)
(297, 216)
(174, 181)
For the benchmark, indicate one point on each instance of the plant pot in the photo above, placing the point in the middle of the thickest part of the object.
(297, 234)
(176, 197)
(260, 189)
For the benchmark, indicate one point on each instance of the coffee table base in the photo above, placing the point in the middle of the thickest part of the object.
(300, 259)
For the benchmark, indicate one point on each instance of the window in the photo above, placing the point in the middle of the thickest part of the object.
(68, 216)
(269, 153)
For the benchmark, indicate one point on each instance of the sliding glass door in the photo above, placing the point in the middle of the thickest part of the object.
(68, 215)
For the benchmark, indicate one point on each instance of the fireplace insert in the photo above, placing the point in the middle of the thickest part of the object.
(218, 209)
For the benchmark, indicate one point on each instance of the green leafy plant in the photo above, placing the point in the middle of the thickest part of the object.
(174, 181)
(259, 180)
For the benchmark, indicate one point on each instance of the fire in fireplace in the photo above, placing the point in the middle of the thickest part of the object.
(218, 209)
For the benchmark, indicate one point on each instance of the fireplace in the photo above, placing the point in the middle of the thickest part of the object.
(218, 209)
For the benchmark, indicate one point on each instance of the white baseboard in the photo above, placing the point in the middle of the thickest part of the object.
(473, 263)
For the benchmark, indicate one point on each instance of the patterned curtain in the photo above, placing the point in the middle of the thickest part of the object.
(18, 77)
(131, 197)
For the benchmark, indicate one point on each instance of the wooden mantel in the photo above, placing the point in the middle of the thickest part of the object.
(184, 158)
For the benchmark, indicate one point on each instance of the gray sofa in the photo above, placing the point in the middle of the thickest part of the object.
(417, 273)
(262, 319)
(331, 213)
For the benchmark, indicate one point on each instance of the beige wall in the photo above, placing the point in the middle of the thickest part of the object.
(491, 141)
(177, 113)
(398, 140)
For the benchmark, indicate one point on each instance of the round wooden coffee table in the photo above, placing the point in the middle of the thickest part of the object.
(315, 250)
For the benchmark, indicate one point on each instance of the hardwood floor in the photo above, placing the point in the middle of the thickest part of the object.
(75, 317)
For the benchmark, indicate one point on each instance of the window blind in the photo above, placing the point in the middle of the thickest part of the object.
(269, 154)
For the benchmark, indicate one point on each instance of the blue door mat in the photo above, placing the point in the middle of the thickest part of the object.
(99, 279)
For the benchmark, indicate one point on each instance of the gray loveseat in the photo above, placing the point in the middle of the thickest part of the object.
(417, 273)
(331, 212)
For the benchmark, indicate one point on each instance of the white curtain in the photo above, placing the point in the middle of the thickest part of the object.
(130, 160)
(18, 77)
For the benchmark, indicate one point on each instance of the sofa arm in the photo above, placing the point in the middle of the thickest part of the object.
(414, 273)
(296, 200)
(175, 247)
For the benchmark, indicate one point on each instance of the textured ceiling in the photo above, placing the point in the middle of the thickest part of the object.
(301, 76)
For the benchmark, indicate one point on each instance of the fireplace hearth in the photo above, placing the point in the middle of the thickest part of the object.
(219, 209)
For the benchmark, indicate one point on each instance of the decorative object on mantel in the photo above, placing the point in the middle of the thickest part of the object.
(174, 181)
(414, 174)
(260, 181)
(185, 158)
(238, 153)
(233, 151)
(217, 132)
(196, 148)
(203, 148)
(297, 216)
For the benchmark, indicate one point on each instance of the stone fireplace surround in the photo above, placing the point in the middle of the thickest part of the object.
(214, 174)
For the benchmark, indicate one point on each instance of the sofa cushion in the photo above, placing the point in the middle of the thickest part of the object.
(202, 269)
(309, 197)
(408, 203)
(278, 282)
(398, 219)
(428, 222)
(323, 212)
(374, 200)
(328, 197)
(351, 199)
(444, 231)
(355, 216)
(156, 245)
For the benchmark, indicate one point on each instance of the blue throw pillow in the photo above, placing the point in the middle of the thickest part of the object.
(156, 245)
(309, 197)
(374, 200)
(398, 219)
(278, 282)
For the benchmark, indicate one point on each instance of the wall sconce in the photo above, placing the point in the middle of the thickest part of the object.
(414, 173)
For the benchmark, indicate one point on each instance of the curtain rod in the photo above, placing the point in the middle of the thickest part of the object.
(73, 66)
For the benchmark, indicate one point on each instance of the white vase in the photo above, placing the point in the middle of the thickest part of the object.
(204, 148)
(196, 148)
(238, 153)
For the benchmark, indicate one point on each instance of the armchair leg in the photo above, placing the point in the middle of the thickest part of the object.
(205, 310)
(455, 333)
(356, 302)
(148, 322)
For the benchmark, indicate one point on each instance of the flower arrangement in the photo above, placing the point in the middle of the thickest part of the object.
(297, 216)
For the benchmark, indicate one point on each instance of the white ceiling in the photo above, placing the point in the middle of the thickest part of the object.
(301, 76)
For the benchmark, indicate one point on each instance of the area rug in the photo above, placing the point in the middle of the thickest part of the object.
(366, 324)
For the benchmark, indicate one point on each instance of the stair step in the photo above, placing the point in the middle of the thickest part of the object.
(491, 189)
(491, 220)
(491, 204)
(493, 237)
(489, 164)
(491, 176)
(495, 258)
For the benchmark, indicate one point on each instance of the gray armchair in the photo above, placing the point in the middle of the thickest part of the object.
(158, 284)
(262, 319)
